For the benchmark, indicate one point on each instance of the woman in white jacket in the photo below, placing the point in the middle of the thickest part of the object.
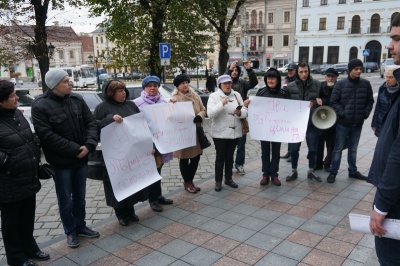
(225, 108)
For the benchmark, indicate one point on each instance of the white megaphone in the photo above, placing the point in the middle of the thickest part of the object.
(324, 117)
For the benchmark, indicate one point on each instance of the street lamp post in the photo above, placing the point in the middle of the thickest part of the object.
(96, 61)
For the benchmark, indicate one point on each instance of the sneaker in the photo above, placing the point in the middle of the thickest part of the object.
(313, 176)
(327, 168)
(230, 183)
(287, 155)
(87, 232)
(72, 240)
(331, 178)
(292, 177)
(358, 175)
(240, 169)
(264, 181)
(276, 181)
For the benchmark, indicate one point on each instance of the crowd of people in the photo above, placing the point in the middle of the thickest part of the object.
(68, 134)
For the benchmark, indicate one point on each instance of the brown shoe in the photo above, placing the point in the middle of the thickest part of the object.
(189, 188)
(197, 188)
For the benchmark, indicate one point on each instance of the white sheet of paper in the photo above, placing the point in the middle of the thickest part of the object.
(360, 223)
(127, 148)
(171, 125)
(278, 120)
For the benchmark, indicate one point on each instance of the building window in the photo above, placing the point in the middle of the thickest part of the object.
(98, 53)
(340, 23)
(270, 18)
(356, 25)
(286, 16)
(285, 40)
(260, 42)
(303, 54)
(322, 24)
(71, 54)
(304, 24)
(333, 54)
(324, 2)
(342, 1)
(306, 3)
(237, 41)
(97, 39)
(101, 39)
(375, 23)
(253, 43)
(238, 20)
(253, 24)
(270, 42)
(61, 54)
(353, 53)
(260, 17)
(318, 54)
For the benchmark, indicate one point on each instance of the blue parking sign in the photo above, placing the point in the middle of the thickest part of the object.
(366, 52)
(165, 50)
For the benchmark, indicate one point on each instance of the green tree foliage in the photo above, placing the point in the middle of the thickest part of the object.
(34, 12)
(221, 15)
(137, 28)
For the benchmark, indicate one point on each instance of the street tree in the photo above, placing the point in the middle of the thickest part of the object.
(221, 15)
(137, 28)
(34, 12)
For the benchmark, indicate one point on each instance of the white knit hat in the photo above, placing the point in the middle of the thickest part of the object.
(223, 79)
(54, 76)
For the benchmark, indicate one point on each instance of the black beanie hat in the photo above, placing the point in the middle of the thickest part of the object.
(181, 78)
(355, 63)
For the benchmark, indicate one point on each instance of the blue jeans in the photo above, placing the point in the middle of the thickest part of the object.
(312, 144)
(240, 153)
(71, 190)
(349, 135)
(270, 165)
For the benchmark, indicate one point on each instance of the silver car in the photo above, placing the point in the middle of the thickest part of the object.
(387, 63)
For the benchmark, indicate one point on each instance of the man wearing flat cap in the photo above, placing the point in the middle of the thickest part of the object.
(327, 136)
(68, 132)
(352, 98)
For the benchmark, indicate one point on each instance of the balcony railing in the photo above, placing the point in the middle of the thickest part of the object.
(374, 30)
(355, 31)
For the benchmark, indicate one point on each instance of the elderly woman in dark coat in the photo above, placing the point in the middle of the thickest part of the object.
(19, 162)
(114, 108)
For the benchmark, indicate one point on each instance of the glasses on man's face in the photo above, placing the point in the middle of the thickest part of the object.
(389, 77)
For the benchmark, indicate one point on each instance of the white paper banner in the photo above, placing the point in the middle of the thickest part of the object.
(360, 223)
(171, 125)
(127, 148)
(278, 120)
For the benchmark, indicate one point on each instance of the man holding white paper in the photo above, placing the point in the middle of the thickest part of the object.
(385, 168)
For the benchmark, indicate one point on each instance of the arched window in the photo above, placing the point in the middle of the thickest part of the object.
(356, 25)
(253, 24)
(392, 18)
(260, 17)
(247, 20)
(375, 24)
(238, 20)
(353, 53)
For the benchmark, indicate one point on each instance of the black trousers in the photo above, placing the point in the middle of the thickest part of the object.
(154, 190)
(17, 225)
(326, 138)
(224, 148)
(188, 167)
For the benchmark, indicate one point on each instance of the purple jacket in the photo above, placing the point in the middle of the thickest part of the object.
(141, 102)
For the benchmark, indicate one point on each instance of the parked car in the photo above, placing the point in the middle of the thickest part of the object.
(318, 69)
(14, 80)
(340, 68)
(283, 69)
(104, 78)
(24, 104)
(370, 66)
(92, 98)
(388, 63)
(137, 75)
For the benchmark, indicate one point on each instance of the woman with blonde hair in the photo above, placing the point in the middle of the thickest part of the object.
(189, 157)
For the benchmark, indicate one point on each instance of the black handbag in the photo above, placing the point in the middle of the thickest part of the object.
(46, 171)
(203, 140)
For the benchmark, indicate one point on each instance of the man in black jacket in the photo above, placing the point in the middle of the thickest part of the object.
(385, 168)
(68, 132)
(241, 86)
(352, 98)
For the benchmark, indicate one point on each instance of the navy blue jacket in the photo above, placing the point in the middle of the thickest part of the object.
(352, 111)
(385, 167)
(383, 103)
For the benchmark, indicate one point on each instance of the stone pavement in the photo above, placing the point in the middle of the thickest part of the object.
(299, 223)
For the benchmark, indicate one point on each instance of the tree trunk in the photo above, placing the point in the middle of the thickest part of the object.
(223, 56)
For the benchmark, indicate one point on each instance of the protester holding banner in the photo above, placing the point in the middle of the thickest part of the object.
(189, 157)
(150, 95)
(225, 108)
(270, 165)
(114, 108)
